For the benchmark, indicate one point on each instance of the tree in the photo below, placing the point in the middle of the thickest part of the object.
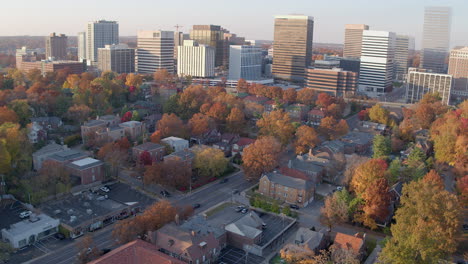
(133, 80)
(416, 157)
(5, 158)
(343, 256)
(366, 174)
(363, 115)
(156, 137)
(135, 116)
(7, 115)
(200, 124)
(218, 111)
(324, 100)
(379, 114)
(426, 225)
(154, 174)
(114, 154)
(171, 125)
(145, 158)
(54, 179)
(376, 203)
(306, 96)
(162, 76)
(87, 250)
(332, 128)
(191, 100)
(335, 211)
(242, 86)
(433, 177)
(5, 251)
(235, 121)
(79, 113)
(210, 162)
(253, 110)
(277, 124)
(306, 138)
(382, 147)
(22, 110)
(260, 157)
(290, 95)
(352, 163)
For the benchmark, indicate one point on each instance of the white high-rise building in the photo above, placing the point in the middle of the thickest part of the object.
(436, 38)
(155, 51)
(403, 46)
(421, 81)
(98, 35)
(377, 59)
(81, 46)
(195, 60)
(245, 62)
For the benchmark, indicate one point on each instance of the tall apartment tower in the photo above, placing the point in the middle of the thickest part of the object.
(56, 46)
(155, 51)
(436, 38)
(245, 62)
(292, 47)
(420, 81)
(98, 35)
(458, 68)
(195, 60)
(81, 46)
(117, 58)
(377, 59)
(353, 40)
(210, 35)
(403, 46)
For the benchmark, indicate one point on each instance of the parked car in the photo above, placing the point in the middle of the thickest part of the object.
(239, 208)
(235, 192)
(339, 188)
(224, 180)
(165, 193)
(25, 214)
(197, 205)
(59, 236)
(104, 189)
(244, 211)
(294, 206)
(105, 251)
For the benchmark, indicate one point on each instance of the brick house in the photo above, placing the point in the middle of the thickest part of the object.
(133, 129)
(293, 188)
(241, 144)
(109, 134)
(209, 137)
(357, 142)
(99, 124)
(155, 150)
(248, 230)
(66, 156)
(315, 116)
(355, 243)
(307, 241)
(89, 170)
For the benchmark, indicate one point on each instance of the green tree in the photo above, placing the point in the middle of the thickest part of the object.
(286, 210)
(210, 162)
(394, 170)
(5, 158)
(135, 116)
(22, 110)
(275, 207)
(382, 147)
(5, 250)
(416, 157)
(426, 225)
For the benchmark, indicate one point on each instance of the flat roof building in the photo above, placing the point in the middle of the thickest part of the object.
(245, 62)
(98, 35)
(335, 81)
(403, 46)
(155, 51)
(211, 35)
(195, 60)
(420, 81)
(458, 68)
(56, 46)
(117, 58)
(353, 40)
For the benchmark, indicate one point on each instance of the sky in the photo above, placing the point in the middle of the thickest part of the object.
(253, 19)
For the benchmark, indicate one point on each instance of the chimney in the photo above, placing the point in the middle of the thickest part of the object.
(97, 117)
(310, 152)
(177, 220)
(193, 233)
(290, 164)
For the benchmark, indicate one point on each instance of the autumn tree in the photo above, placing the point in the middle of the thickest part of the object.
(306, 96)
(22, 110)
(114, 154)
(379, 114)
(428, 109)
(133, 80)
(427, 223)
(277, 124)
(162, 76)
(242, 86)
(79, 113)
(306, 138)
(218, 111)
(210, 162)
(145, 158)
(260, 157)
(324, 100)
(352, 163)
(154, 174)
(253, 110)
(366, 174)
(290, 95)
(191, 100)
(178, 171)
(8, 115)
(334, 211)
(55, 179)
(5, 158)
(332, 128)
(171, 125)
(200, 124)
(87, 250)
(156, 137)
(341, 255)
(381, 147)
(433, 177)
(376, 203)
(236, 121)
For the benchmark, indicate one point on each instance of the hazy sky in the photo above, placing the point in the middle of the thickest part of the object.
(250, 18)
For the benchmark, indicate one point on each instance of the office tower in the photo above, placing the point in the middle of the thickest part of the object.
(403, 45)
(436, 38)
(56, 46)
(117, 58)
(335, 81)
(292, 47)
(458, 68)
(353, 40)
(210, 35)
(245, 62)
(98, 35)
(195, 60)
(155, 51)
(81, 46)
(377, 59)
(422, 81)
(179, 38)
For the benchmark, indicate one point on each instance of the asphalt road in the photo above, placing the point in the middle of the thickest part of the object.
(207, 197)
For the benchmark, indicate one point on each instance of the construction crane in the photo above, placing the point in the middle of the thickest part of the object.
(177, 27)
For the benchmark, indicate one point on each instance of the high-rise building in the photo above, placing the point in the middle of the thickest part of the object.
(377, 59)
(56, 46)
(422, 81)
(245, 62)
(81, 46)
(335, 81)
(155, 51)
(292, 47)
(403, 46)
(179, 38)
(117, 58)
(436, 38)
(210, 35)
(458, 68)
(353, 40)
(98, 35)
(195, 60)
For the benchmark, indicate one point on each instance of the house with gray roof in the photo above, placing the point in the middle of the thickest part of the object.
(357, 142)
(245, 231)
(307, 241)
(42, 154)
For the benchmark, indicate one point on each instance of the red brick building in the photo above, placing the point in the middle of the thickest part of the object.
(89, 170)
(156, 151)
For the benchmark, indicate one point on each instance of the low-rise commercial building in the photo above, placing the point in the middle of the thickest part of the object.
(42, 154)
(332, 81)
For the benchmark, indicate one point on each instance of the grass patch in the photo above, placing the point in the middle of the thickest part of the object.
(277, 260)
(370, 245)
(218, 209)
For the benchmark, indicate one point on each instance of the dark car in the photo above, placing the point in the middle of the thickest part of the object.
(59, 236)
(224, 180)
(197, 205)
(235, 192)
(105, 251)
(293, 206)
(165, 193)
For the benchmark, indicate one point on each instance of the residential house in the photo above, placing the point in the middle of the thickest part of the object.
(314, 168)
(226, 143)
(372, 126)
(186, 155)
(272, 105)
(133, 129)
(315, 116)
(332, 148)
(88, 170)
(289, 185)
(357, 142)
(177, 144)
(49, 123)
(422, 141)
(242, 143)
(297, 112)
(36, 133)
(246, 231)
(150, 122)
(355, 243)
(307, 241)
(100, 123)
(156, 151)
(136, 252)
(105, 135)
(42, 154)
(212, 136)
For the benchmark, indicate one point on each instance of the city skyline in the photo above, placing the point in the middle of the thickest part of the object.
(248, 22)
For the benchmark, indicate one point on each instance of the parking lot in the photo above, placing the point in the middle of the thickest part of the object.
(275, 224)
(231, 255)
(123, 193)
(10, 210)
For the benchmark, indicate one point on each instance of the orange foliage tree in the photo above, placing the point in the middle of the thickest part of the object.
(261, 156)
(171, 125)
(306, 138)
(277, 124)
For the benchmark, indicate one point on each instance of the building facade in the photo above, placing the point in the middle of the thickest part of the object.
(377, 62)
(81, 46)
(117, 58)
(420, 82)
(56, 46)
(155, 51)
(458, 68)
(179, 38)
(292, 47)
(335, 81)
(245, 62)
(436, 38)
(403, 46)
(353, 40)
(195, 60)
(210, 35)
(98, 35)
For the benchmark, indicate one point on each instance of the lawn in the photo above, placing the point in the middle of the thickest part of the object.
(218, 209)
(277, 260)
(370, 244)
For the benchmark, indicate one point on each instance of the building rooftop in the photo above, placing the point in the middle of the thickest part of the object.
(130, 124)
(148, 146)
(199, 224)
(305, 236)
(43, 223)
(67, 155)
(50, 148)
(182, 154)
(288, 181)
(247, 226)
(349, 242)
(85, 163)
(92, 123)
(243, 141)
(360, 138)
(172, 139)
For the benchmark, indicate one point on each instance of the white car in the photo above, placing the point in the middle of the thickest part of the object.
(339, 188)
(25, 214)
(104, 189)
